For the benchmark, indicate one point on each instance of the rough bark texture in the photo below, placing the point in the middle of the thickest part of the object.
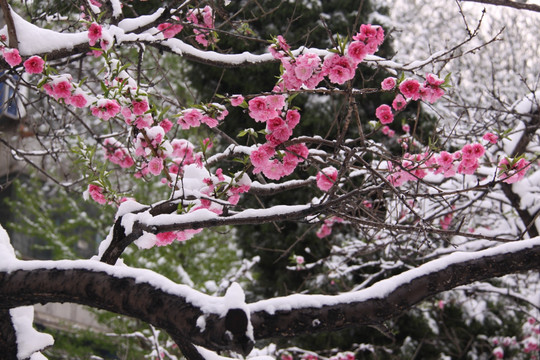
(8, 339)
(374, 311)
(120, 295)
(178, 317)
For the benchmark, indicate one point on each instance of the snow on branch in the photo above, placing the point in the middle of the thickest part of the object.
(300, 314)
(513, 4)
(206, 321)
(138, 293)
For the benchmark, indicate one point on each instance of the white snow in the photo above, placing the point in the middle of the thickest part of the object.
(29, 340)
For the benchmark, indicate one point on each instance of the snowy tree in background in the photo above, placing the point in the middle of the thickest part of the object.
(405, 214)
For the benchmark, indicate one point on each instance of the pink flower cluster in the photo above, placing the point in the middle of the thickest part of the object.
(326, 178)
(512, 170)
(410, 89)
(96, 192)
(415, 167)
(116, 153)
(263, 108)
(307, 71)
(169, 30)
(167, 238)
(528, 345)
(209, 115)
(263, 160)
(61, 87)
(105, 109)
(33, 65)
(367, 42)
(204, 18)
(11, 56)
(326, 228)
(490, 137)
(280, 123)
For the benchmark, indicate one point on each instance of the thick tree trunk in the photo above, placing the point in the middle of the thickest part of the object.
(8, 338)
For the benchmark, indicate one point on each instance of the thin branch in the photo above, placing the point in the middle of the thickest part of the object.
(12, 33)
(508, 3)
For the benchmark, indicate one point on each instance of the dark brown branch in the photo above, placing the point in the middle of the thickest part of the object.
(120, 240)
(508, 3)
(178, 316)
(122, 295)
(8, 338)
(373, 311)
(12, 33)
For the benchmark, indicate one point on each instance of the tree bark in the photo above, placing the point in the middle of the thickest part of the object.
(8, 337)
(122, 295)
(375, 310)
(176, 314)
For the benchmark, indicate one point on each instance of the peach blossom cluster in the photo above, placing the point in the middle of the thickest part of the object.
(307, 70)
(409, 89)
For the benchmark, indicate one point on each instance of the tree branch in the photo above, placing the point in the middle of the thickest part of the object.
(178, 310)
(12, 33)
(508, 3)
(8, 337)
(301, 314)
(133, 292)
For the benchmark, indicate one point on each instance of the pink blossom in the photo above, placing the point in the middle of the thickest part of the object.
(78, 99)
(259, 109)
(165, 238)
(142, 122)
(62, 89)
(191, 118)
(275, 102)
(492, 138)
(326, 178)
(467, 152)
(406, 128)
(96, 192)
(498, 352)
(273, 170)
(12, 56)
(399, 102)
(384, 114)
(169, 30)
(357, 51)
(282, 43)
(166, 124)
(324, 231)
(298, 150)
(339, 68)
(478, 150)
(209, 121)
(410, 88)
(260, 158)
(140, 107)
(275, 123)
(511, 173)
(237, 100)
(155, 166)
(389, 83)
(94, 33)
(292, 118)
(34, 65)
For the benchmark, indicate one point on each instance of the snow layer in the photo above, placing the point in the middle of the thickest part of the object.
(384, 287)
